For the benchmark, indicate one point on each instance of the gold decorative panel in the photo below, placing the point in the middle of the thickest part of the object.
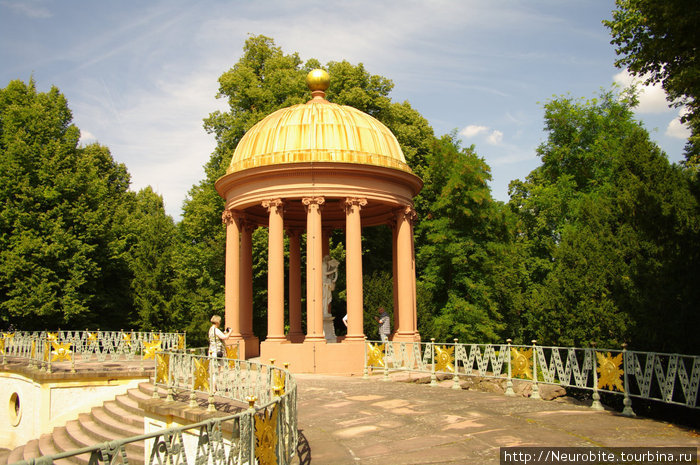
(266, 437)
(521, 363)
(201, 374)
(61, 352)
(162, 368)
(375, 354)
(232, 355)
(150, 349)
(444, 359)
(609, 371)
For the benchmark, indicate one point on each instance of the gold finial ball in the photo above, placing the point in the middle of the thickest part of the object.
(318, 79)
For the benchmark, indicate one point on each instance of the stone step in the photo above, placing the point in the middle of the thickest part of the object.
(98, 433)
(4, 453)
(121, 427)
(113, 409)
(126, 402)
(46, 445)
(31, 450)
(16, 455)
(63, 442)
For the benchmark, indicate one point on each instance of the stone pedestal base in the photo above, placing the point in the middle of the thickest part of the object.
(344, 358)
(329, 329)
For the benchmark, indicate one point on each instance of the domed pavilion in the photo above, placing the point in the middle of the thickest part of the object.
(313, 168)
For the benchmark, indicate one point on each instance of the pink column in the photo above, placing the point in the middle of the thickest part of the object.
(275, 270)
(246, 290)
(314, 270)
(295, 334)
(406, 276)
(232, 285)
(394, 276)
(353, 262)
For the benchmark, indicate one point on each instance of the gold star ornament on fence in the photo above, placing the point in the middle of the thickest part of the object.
(444, 359)
(375, 355)
(231, 355)
(266, 437)
(521, 363)
(609, 371)
(150, 350)
(162, 368)
(201, 374)
(61, 352)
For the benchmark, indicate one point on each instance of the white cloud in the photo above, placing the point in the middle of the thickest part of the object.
(473, 130)
(28, 8)
(87, 137)
(495, 138)
(652, 99)
(676, 129)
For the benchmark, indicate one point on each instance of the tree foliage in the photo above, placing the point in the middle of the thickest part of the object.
(606, 223)
(659, 41)
(73, 238)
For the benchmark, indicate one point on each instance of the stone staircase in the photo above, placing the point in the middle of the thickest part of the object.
(115, 419)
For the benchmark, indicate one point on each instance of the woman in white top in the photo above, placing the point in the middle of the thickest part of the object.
(216, 337)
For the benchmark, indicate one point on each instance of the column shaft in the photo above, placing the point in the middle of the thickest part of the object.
(314, 270)
(232, 301)
(246, 280)
(295, 333)
(275, 271)
(406, 277)
(353, 261)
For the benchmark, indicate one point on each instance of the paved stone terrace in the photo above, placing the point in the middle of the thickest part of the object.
(348, 420)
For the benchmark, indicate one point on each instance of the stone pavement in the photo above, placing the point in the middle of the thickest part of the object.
(348, 420)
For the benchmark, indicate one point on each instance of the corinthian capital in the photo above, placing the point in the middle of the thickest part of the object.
(407, 213)
(227, 217)
(307, 201)
(272, 204)
(355, 201)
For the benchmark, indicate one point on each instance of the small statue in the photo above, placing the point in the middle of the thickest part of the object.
(330, 276)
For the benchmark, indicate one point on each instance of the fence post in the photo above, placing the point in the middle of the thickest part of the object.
(509, 384)
(365, 374)
(535, 388)
(386, 361)
(455, 378)
(433, 378)
(212, 380)
(596, 405)
(627, 410)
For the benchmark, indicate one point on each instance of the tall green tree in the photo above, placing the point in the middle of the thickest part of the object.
(609, 229)
(659, 41)
(63, 260)
(456, 242)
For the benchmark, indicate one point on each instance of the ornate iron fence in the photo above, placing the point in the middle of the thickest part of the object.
(41, 349)
(264, 433)
(669, 378)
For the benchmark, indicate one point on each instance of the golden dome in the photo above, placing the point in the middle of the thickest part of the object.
(318, 131)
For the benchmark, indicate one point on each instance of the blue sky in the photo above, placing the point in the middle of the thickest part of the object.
(141, 75)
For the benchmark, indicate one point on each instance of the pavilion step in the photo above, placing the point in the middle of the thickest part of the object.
(64, 443)
(16, 455)
(46, 444)
(98, 433)
(31, 450)
(128, 403)
(123, 427)
(113, 409)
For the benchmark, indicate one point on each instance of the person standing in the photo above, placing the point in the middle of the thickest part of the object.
(384, 324)
(217, 337)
